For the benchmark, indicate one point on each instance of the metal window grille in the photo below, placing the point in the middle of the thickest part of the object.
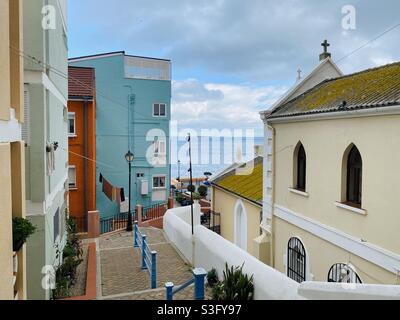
(296, 260)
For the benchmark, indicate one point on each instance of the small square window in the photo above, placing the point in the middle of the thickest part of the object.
(159, 110)
(72, 177)
(140, 175)
(71, 124)
(159, 182)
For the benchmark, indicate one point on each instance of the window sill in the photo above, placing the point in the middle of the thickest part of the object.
(159, 189)
(72, 136)
(300, 193)
(73, 189)
(350, 208)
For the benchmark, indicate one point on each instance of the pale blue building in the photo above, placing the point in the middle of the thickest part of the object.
(133, 113)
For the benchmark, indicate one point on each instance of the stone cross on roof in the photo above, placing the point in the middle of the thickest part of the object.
(299, 71)
(325, 54)
(325, 44)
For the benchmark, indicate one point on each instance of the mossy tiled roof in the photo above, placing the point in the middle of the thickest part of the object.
(249, 186)
(378, 87)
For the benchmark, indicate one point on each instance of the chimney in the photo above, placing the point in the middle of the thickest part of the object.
(325, 54)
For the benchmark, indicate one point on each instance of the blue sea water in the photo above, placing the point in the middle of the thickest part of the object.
(211, 154)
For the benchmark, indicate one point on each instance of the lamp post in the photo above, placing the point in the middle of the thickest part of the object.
(129, 158)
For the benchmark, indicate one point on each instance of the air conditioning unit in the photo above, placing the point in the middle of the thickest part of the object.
(144, 187)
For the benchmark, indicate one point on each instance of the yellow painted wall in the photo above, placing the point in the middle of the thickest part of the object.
(16, 58)
(323, 255)
(378, 140)
(6, 258)
(224, 203)
(5, 99)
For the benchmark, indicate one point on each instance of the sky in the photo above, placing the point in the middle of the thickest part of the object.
(232, 59)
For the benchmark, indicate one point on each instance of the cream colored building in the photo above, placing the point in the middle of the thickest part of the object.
(331, 178)
(12, 156)
(237, 197)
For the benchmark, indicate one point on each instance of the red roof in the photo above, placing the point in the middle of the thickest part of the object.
(81, 82)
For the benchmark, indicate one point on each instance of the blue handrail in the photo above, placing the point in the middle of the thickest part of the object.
(198, 278)
(148, 257)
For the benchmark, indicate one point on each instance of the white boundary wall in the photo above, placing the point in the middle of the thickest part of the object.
(213, 251)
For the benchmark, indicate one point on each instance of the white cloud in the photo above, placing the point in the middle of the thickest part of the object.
(210, 105)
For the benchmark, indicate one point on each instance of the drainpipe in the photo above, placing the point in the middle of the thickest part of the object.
(85, 169)
(272, 255)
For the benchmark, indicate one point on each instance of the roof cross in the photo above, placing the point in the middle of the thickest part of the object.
(325, 44)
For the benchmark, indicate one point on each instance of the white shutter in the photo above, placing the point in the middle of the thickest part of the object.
(26, 132)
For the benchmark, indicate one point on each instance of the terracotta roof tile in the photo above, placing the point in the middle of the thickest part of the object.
(81, 82)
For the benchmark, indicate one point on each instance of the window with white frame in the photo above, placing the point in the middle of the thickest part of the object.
(160, 148)
(159, 110)
(72, 177)
(71, 124)
(159, 182)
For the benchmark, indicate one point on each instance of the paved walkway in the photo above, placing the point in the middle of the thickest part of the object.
(121, 275)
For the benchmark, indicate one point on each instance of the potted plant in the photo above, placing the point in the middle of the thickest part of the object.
(196, 197)
(202, 190)
(212, 278)
(22, 230)
(236, 286)
(191, 188)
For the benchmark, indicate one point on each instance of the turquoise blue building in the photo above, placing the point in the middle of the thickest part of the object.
(133, 112)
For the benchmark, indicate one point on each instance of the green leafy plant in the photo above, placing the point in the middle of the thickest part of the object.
(202, 190)
(22, 230)
(191, 188)
(196, 196)
(236, 286)
(66, 274)
(179, 198)
(212, 278)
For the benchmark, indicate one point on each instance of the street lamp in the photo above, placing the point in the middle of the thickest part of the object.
(129, 158)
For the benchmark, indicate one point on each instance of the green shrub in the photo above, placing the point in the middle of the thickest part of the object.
(236, 286)
(191, 188)
(22, 229)
(202, 190)
(196, 196)
(212, 278)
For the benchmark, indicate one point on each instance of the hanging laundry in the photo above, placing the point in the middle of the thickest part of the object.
(107, 189)
(113, 193)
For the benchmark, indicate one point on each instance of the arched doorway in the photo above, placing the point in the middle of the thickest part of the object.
(240, 226)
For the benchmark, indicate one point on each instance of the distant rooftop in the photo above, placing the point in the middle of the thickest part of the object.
(137, 67)
(248, 186)
(81, 82)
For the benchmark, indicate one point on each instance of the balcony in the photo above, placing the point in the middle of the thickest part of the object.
(147, 68)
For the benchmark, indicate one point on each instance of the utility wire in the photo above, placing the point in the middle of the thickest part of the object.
(368, 42)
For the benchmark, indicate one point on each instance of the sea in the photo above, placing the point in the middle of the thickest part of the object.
(210, 154)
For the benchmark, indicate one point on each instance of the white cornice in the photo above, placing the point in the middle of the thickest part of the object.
(370, 112)
(38, 77)
(370, 252)
(10, 131)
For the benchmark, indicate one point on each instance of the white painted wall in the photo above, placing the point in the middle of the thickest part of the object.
(213, 251)
(348, 291)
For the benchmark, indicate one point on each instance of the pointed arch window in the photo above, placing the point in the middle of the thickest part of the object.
(354, 177)
(301, 169)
